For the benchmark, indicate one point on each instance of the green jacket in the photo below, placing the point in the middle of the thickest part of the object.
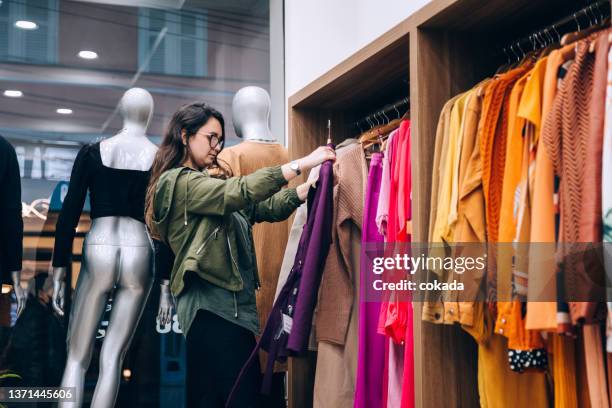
(192, 214)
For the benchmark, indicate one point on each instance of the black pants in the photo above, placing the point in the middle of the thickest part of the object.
(216, 351)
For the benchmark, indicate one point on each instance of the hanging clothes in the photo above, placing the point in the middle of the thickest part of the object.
(396, 315)
(371, 362)
(493, 151)
(566, 143)
(408, 391)
(337, 311)
(433, 308)
(606, 197)
(542, 275)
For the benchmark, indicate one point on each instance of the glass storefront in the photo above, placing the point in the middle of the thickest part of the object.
(64, 66)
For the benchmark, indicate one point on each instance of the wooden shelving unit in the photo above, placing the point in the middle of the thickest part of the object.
(444, 48)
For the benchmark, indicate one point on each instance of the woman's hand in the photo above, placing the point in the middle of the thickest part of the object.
(318, 156)
(302, 189)
(321, 154)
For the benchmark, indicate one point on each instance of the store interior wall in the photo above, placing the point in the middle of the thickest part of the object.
(319, 34)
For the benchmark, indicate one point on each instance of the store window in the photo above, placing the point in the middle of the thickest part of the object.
(180, 49)
(32, 45)
(64, 66)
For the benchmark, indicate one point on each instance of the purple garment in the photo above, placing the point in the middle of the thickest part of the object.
(371, 354)
(298, 296)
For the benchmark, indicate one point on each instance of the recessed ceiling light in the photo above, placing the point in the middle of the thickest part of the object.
(64, 111)
(26, 25)
(88, 54)
(12, 93)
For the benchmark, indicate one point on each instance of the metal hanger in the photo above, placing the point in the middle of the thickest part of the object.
(386, 117)
(398, 112)
(367, 119)
(601, 14)
(506, 54)
(518, 44)
(586, 14)
(514, 52)
(358, 126)
(577, 23)
(554, 27)
(549, 35)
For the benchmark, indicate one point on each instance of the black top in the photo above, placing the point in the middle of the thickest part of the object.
(11, 223)
(112, 192)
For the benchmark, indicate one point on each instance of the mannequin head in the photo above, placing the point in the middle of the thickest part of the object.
(251, 114)
(136, 107)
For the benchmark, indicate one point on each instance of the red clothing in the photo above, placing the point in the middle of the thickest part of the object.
(396, 318)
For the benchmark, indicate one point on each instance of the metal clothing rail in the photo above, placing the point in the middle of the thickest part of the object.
(384, 115)
(595, 13)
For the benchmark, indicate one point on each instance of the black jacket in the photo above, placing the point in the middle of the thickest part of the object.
(11, 223)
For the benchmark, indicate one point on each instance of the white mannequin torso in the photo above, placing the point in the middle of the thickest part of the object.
(128, 152)
(130, 149)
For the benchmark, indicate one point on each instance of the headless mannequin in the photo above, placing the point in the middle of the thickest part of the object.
(117, 252)
(251, 114)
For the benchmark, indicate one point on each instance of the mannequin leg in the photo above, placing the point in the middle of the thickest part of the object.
(133, 288)
(94, 283)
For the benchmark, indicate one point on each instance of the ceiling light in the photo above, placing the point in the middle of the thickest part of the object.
(12, 93)
(88, 54)
(64, 111)
(26, 25)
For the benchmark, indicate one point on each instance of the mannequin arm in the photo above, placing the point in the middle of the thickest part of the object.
(59, 273)
(20, 294)
(166, 303)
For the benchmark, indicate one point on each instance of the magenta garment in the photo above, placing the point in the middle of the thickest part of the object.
(371, 354)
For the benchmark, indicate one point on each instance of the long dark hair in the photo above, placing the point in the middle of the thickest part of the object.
(172, 152)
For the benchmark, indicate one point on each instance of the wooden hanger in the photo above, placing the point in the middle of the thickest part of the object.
(378, 135)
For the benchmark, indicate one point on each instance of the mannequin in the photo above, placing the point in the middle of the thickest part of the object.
(117, 253)
(251, 108)
(251, 114)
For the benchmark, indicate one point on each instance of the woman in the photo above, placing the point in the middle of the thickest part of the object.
(207, 222)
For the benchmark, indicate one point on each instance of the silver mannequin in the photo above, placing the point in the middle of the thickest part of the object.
(117, 253)
(251, 108)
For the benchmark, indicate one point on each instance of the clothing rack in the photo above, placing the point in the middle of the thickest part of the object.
(382, 116)
(595, 12)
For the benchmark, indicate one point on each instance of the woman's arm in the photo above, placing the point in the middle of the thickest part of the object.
(281, 205)
(211, 196)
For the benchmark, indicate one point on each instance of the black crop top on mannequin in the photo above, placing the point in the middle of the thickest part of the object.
(112, 192)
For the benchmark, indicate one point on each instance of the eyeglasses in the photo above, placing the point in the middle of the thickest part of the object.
(215, 140)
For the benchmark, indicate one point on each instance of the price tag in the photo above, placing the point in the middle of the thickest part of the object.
(287, 323)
